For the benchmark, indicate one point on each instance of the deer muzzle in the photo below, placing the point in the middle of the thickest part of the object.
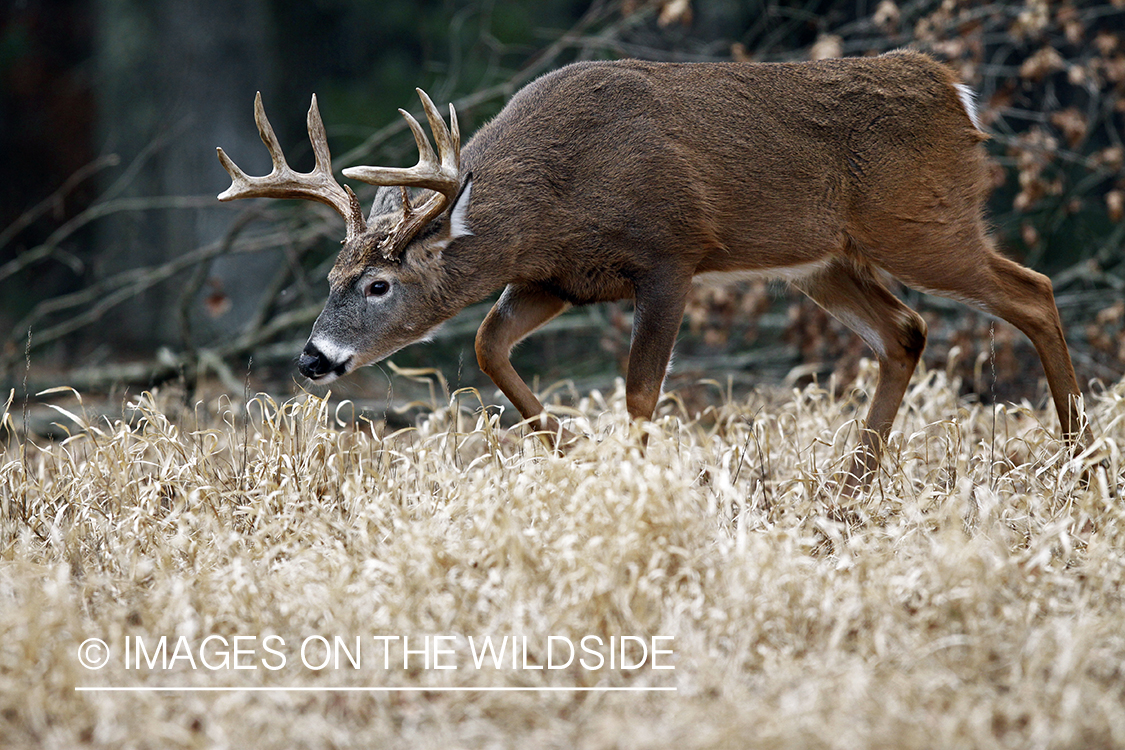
(323, 364)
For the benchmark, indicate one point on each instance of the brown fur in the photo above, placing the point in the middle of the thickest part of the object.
(613, 180)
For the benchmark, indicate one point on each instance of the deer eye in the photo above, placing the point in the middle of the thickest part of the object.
(377, 288)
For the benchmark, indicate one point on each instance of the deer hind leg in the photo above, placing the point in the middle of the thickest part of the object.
(971, 271)
(518, 312)
(853, 295)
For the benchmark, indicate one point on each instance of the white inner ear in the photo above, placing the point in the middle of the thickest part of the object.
(458, 217)
(969, 102)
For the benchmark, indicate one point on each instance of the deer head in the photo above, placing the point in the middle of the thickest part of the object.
(385, 283)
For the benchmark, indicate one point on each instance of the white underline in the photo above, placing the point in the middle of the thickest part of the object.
(412, 689)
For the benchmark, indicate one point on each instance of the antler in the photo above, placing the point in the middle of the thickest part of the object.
(318, 185)
(442, 174)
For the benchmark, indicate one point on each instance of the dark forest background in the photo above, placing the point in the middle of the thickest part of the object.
(118, 268)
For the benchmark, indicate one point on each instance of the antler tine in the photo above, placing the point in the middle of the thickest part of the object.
(283, 182)
(448, 143)
(238, 178)
(426, 153)
(265, 132)
(319, 139)
(456, 134)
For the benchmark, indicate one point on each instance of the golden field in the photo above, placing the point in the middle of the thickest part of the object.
(974, 598)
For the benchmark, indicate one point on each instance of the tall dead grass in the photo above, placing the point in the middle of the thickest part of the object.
(974, 598)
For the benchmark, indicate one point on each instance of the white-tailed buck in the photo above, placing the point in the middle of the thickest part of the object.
(626, 180)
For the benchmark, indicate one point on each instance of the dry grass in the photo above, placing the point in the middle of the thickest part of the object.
(973, 599)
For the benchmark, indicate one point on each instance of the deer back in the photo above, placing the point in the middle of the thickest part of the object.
(617, 168)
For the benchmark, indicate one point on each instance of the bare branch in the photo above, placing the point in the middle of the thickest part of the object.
(55, 199)
(97, 211)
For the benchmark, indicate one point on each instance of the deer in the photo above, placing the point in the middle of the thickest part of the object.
(617, 180)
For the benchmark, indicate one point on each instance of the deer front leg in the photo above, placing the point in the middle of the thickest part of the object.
(518, 312)
(656, 321)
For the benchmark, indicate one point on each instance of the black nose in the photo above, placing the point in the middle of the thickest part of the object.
(313, 364)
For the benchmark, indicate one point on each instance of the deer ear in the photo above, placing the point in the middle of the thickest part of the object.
(388, 200)
(459, 214)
